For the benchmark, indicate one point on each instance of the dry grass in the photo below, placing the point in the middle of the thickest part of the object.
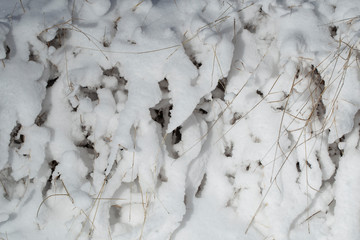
(308, 120)
(328, 121)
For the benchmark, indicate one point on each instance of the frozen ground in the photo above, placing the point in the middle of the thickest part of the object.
(179, 119)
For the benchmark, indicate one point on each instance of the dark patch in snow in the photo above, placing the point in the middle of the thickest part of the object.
(33, 56)
(86, 143)
(191, 53)
(201, 186)
(51, 82)
(20, 140)
(342, 139)
(219, 91)
(114, 72)
(231, 178)
(157, 116)
(7, 52)
(116, 23)
(317, 155)
(202, 111)
(334, 150)
(222, 84)
(316, 77)
(298, 167)
(176, 135)
(320, 87)
(250, 27)
(237, 116)
(255, 139)
(260, 93)
(86, 130)
(281, 108)
(41, 119)
(297, 73)
(106, 43)
(196, 63)
(5, 178)
(164, 85)
(161, 113)
(73, 108)
(162, 175)
(320, 110)
(90, 93)
(333, 31)
(114, 214)
(52, 165)
(54, 74)
(89, 175)
(57, 42)
(228, 150)
(14, 133)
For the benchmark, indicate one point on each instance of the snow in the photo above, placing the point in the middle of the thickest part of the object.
(180, 119)
(4, 30)
(347, 208)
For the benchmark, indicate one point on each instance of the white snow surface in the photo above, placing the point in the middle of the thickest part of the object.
(179, 119)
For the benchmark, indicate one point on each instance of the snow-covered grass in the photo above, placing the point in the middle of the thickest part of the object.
(179, 119)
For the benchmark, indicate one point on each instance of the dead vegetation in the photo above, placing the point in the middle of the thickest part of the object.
(312, 111)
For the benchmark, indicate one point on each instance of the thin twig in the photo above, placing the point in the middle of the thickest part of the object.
(43, 201)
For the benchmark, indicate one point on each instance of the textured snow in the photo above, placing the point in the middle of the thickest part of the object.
(183, 119)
